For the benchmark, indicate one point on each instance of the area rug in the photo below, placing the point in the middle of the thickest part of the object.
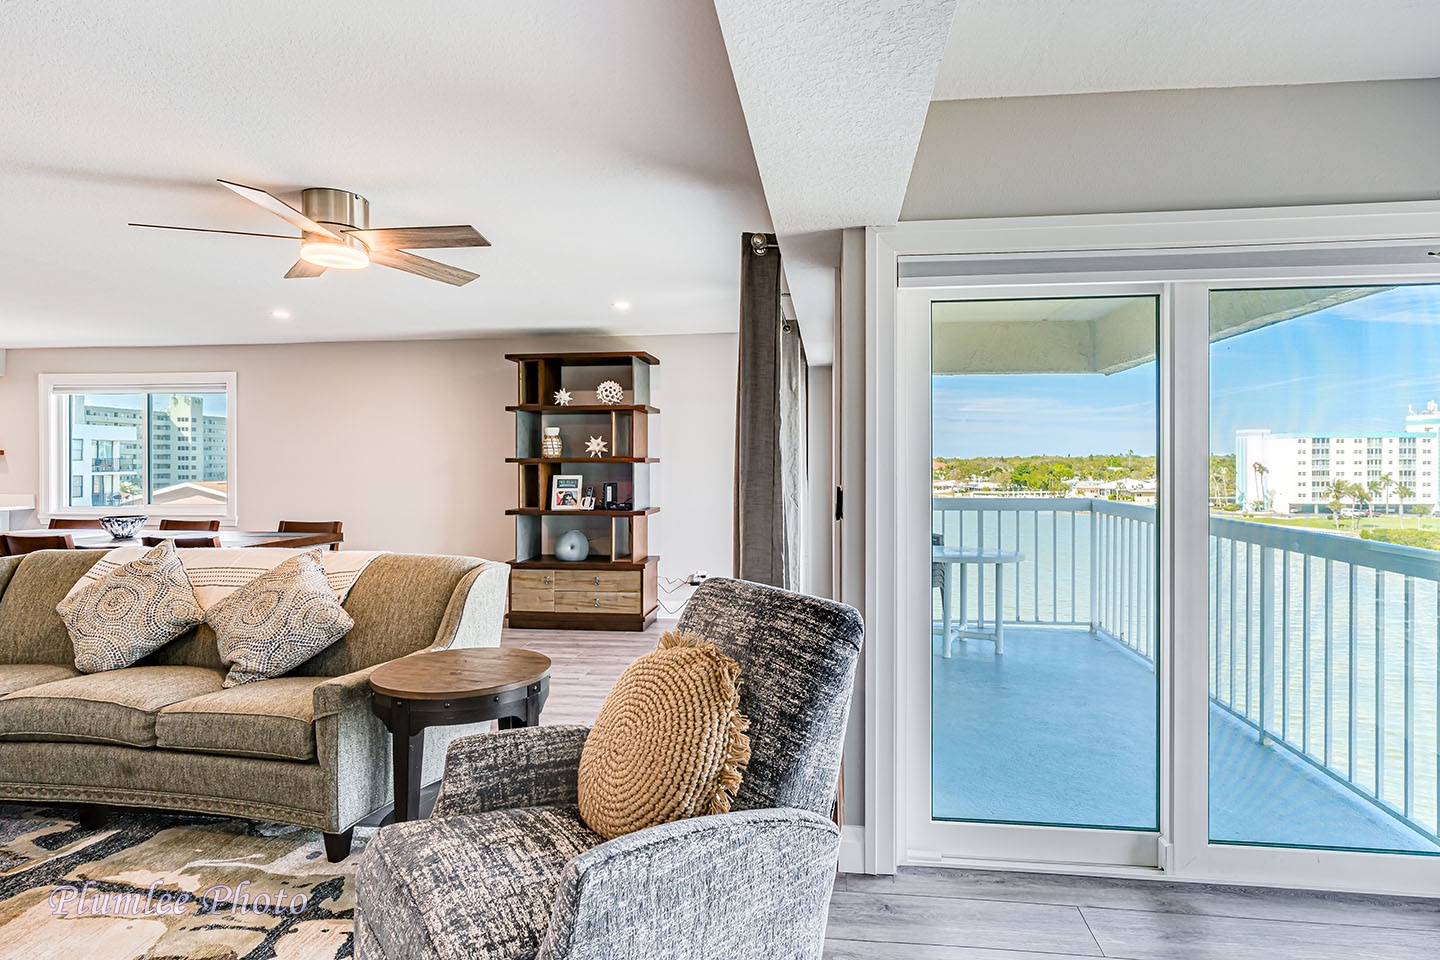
(166, 887)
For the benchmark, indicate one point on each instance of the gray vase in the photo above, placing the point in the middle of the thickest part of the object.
(572, 545)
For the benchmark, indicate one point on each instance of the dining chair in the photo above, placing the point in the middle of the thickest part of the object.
(314, 526)
(89, 523)
(153, 541)
(208, 526)
(18, 543)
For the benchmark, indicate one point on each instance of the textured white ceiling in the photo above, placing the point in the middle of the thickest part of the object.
(835, 94)
(1021, 48)
(599, 146)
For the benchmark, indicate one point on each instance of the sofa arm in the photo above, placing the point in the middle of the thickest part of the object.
(751, 885)
(344, 692)
(507, 769)
(476, 612)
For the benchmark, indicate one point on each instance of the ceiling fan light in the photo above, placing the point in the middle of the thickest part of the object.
(334, 255)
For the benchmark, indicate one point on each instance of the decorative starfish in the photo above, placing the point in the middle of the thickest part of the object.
(562, 398)
(596, 447)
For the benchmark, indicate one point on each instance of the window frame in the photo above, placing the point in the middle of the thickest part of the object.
(53, 480)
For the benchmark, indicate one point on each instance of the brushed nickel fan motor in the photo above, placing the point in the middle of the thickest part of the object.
(335, 208)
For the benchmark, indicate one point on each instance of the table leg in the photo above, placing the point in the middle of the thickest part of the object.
(945, 590)
(409, 756)
(964, 614)
(999, 608)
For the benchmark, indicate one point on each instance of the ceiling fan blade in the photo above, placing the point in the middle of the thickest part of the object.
(420, 238)
(280, 208)
(400, 260)
(233, 233)
(303, 270)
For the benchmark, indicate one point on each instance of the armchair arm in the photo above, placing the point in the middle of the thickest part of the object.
(752, 885)
(522, 767)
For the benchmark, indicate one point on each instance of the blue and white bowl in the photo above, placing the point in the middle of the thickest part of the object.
(122, 528)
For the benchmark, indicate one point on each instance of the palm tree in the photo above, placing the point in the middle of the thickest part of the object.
(1404, 492)
(1335, 501)
(1260, 471)
(1387, 483)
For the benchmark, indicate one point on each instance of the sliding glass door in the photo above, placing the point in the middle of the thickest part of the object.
(1325, 567)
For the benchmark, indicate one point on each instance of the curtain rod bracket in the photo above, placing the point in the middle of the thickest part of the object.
(759, 244)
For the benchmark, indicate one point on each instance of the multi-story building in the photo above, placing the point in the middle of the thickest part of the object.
(107, 444)
(1289, 473)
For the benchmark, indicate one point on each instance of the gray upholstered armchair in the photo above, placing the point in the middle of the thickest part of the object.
(505, 868)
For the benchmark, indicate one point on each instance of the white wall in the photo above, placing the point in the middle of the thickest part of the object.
(406, 441)
(1177, 150)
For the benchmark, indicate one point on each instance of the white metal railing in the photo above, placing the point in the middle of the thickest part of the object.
(1327, 646)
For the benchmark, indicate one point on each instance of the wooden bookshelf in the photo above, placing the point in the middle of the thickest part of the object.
(617, 586)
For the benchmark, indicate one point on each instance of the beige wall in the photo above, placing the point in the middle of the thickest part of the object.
(406, 441)
(1177, 150)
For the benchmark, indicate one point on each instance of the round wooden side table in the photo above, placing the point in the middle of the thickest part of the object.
(438, 687)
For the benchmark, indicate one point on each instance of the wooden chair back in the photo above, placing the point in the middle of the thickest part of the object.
(153, 541)
(89, 523)
(16, 544)
(208, 526)
(314, 526)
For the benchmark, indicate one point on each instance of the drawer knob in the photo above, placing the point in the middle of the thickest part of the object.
(597, 601)
(597, 581)
(547, 578)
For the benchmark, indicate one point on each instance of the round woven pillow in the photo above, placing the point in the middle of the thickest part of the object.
(669, 743)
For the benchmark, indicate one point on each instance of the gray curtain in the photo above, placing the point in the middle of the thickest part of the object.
(770, 435)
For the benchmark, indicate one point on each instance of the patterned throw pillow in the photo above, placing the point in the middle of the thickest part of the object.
(131, 612)
(278, 620)
(670, 740)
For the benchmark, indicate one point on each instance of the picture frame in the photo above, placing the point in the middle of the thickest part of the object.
(565, 491)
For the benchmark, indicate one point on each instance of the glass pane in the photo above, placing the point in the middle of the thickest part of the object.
(1044, 569)
(106, 442)
(188, 455)
(1324, 567)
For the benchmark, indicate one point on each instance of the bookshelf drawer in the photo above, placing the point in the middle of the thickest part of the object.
(596, 602)
(597, 581)
(532, 590)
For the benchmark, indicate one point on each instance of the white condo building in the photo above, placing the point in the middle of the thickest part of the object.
(1296, 471)
(187, 449)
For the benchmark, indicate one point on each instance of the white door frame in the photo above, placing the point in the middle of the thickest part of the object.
(1184, 851)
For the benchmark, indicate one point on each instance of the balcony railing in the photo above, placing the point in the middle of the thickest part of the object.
(114, 465)
(1325, 645)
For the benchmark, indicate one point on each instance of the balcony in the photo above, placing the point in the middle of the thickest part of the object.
(1323, 678)
(114, 465)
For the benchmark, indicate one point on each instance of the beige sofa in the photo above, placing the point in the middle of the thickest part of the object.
(163, 734)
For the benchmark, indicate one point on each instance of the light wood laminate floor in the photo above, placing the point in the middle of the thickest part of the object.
(926, 913)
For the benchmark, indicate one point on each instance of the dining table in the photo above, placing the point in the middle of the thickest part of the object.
(87, 539)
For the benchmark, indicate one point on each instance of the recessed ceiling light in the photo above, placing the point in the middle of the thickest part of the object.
(620, 306)
(280, 313)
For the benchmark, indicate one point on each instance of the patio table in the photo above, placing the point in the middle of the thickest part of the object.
(949, 558)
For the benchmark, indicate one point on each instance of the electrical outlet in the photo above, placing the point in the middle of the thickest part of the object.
(697, 578)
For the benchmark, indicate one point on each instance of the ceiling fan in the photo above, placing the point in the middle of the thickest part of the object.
(335, 234)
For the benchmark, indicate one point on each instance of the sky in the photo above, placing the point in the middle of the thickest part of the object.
(215, 403)
(1352, 368)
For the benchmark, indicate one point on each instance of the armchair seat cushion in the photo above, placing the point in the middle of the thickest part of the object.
(116, 706)
(19, 676)
(268, 718)
(475, 887)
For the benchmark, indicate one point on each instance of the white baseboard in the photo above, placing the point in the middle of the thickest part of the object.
(852, 849)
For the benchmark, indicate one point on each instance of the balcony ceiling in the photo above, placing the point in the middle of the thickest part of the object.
(1026, 48)
(600, 147)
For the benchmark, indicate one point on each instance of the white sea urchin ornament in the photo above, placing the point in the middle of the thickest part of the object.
(609, 393)
(596, 447)
(562, 398)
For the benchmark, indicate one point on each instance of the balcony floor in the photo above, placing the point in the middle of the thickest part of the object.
(1062, 730)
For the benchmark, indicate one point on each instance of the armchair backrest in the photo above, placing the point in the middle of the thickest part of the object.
(797, 657)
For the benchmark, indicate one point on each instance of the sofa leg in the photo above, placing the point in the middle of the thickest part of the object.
(337, 845)
(91, 816)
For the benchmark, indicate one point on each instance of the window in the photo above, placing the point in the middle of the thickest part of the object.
(123, 423)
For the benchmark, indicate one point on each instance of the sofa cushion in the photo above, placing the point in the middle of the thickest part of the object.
(477, 887)
(268, 718)
(18, 676)
(131, 611)
(30, 629)
(278, 620)
(118, 706)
